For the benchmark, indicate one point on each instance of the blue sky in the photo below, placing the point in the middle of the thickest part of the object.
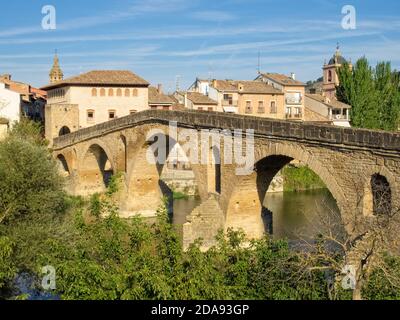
(163, 39)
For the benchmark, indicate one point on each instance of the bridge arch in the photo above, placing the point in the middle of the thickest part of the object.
(245, 208)
(96, 168)
(63, 166)
(145, 166)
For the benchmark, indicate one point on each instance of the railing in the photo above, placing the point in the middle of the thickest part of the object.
(294, 116)
(339, 117)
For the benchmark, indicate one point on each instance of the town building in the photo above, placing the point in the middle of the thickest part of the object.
(159, 100)
(293, 90)
(326, 110)
(195, 101)
(10, 108)
(242, 97)
(92, 98)
(17, 100)
(322, 105)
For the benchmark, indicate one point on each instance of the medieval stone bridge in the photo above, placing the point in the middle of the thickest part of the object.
(351, 162)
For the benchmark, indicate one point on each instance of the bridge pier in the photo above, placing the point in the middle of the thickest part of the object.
(346, 159)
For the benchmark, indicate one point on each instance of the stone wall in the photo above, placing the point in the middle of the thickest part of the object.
(345, 159)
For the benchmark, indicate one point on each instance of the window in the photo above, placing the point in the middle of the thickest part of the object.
(261, 107)
(132, 111)
(210, 109)
(127, 93)
(94, 92)
(110, 92)
(273, 107)
(90, 115)
(102, 92)
(112, 114)
(200, 108)
(288, 111)
(165, 107)
(153, 107)
(119, 93)
(228, 97)
(329, 76)
(297, 112)
(293, 98)
(134, 92)
(249, 108)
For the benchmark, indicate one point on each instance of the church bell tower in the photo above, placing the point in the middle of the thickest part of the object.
(56, 73)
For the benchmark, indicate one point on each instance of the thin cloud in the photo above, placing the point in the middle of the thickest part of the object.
(214, 16)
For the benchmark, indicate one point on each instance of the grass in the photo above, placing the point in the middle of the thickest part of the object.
(180, 195)
(300, 179)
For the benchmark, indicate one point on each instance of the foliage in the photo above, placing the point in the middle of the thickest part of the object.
(7, 266)
(177, 195)
(98, 255)
(29, 181)
(300, 178)
(373, 94)
(384, 283)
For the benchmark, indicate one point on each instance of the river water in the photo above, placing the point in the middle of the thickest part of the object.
(294, 214)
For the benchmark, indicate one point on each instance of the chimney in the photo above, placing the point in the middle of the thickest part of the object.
(293, 76)
(160, 88)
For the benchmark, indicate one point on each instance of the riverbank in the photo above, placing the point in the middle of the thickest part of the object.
(300, 178)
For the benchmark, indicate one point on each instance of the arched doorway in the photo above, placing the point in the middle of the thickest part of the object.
(64, 131)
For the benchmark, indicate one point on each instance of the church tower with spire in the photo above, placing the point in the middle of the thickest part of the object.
(56, 73)
(331, 79)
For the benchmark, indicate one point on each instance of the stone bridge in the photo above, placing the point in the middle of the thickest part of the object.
(351, 162)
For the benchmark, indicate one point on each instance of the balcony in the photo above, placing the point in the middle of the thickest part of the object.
(229, 103)
(338, 117)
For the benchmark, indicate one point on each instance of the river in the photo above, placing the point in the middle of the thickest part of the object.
(294, 214)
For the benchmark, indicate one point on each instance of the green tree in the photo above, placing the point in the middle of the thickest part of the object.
(372, 93)
(29, 180)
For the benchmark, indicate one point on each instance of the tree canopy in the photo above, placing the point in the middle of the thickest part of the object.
(373, 94)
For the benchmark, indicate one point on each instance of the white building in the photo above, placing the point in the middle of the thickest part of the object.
(10, 107)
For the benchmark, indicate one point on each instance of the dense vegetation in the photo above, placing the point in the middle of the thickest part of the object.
(98, 255)
(300, 178)
(373, 93)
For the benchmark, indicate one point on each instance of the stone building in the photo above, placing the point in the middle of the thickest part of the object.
(330, 76)
(293, 90)
(323, 106)
(243, 97)
(56, 73)
(92, 98)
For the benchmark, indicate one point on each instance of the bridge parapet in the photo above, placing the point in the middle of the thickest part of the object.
(280, 129)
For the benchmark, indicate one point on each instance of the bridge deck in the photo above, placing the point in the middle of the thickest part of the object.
(378, 141)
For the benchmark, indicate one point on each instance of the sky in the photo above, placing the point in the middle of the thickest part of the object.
(174, 41)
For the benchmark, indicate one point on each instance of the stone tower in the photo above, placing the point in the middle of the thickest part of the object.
(331, 79)
(56, 73)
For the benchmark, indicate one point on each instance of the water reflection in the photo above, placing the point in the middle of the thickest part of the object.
(301, 214)
(292, 214)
